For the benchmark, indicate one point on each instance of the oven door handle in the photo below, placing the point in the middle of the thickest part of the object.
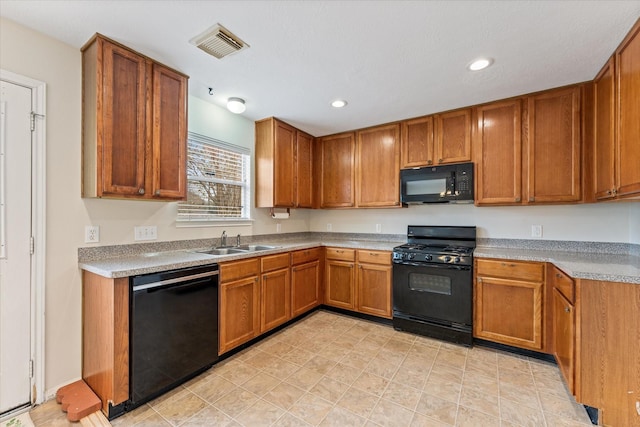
(442, 266)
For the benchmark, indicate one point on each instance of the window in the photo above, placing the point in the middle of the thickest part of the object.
(217, 181)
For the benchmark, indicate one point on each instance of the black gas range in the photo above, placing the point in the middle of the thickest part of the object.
(433, 282)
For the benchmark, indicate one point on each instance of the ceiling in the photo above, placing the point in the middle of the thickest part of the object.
(390, 60)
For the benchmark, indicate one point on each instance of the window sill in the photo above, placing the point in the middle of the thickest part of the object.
(213, 223)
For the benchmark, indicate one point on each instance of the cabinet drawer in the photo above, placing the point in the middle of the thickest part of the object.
(304, 256)
(274, 262)
(235, 270)
(341, 254)
(531, 271)
(564, 284)
(374, 257)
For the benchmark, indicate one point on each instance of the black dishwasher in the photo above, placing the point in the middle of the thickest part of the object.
(174, 329)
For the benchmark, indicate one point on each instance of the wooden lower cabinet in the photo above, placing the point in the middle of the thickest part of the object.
(239, 303)
(275, 291)
(367, 288)
(564, 336)
(508, 297)
(305, 280)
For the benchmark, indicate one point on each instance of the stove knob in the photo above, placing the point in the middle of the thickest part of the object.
(447, 258)
(411, 256)
(456, 259)
(428, 257)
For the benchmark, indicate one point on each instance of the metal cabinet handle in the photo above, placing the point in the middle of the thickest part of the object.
(609, 192)
(559, 276)
(615, 191)
(157, 193)
(372, 254)
(257, 278)
(517, 199)
(140, 190)
(567, 309)
(293, 269)
(532, 199)
(439, 160)
(504, 264)
(429, 162)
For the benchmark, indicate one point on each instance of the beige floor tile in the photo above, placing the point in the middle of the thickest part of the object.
(411, 377)
(446, 374)
(334, 352)
(209, 416)
(320, 364)
(297, 356)
(515, 362)
(555, 420)
(240, 373)
(235, 402)
(340, 417)
(516, 377)
(402, 395)
(356, 360)
(420, 420)
(382, 368)
(284, 395)
(129, 418)
(371, 383)
(329, 389)
(482, 367)
(358, 402)
(281, 368)
(261, 360)
(212, 388)
(444, 389)
(522, 395)
(566, 408)
(480, 383)
(311, 408)
(520, 415)
(344, 373)
(388, 414)
(155, 420)
(288, 420)
(261, 383)
(439, 409)
(178, 410)
(304, 378)
(468, 417)
(261, 413)
(450, 359)
(276, 348)
(480, 401)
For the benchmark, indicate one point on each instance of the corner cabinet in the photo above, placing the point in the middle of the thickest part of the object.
(283, 165)
(564, 323)
(134, 125)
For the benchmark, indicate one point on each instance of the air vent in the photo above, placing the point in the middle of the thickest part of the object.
(218, 41)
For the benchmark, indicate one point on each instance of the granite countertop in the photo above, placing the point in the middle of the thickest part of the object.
(152, 262)
(609, 267)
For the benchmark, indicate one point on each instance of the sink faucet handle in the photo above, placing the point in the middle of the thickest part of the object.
(223, 238)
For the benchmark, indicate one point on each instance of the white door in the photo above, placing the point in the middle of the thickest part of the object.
(15, 246)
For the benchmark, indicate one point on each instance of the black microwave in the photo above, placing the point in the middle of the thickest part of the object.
(437, 184)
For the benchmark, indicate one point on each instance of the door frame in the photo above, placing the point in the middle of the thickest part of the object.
(38, 229)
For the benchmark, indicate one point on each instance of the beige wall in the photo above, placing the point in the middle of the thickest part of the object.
(634, 223)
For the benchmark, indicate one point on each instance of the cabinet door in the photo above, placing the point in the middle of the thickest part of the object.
(305, 287)
(337, 171)
(239, 312)
(378, 166)
(564, 336)
(374, 290)
(553, 127)
(417, 142)
(604, 123)
(453, 137)
(275, 299)
(169, 140)
(304, 161)
(122, 122)
(284, 165)
(628, 113)
(340, 284)
(498, 152)
(509, 312)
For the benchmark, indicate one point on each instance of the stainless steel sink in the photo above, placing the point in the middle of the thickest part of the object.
(236, 250)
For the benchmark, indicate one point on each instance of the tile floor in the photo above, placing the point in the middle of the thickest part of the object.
(334, 370)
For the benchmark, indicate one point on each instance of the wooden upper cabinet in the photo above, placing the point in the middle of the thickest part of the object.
(627, 60)
(453, 137)
(378, 166)
(604, 132)
(134, 124)
(283, 165)
(417, 142)
(169, 152)
(498, 153)
(304, 168)
(554, 146)
(337, 171)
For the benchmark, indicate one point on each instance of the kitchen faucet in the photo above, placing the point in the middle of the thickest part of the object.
(238, 240)
(223, 239)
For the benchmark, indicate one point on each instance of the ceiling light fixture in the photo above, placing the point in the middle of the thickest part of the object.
(480, 64)
(339, 103)
(236, 105)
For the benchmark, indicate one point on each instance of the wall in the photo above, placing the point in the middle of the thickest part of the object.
(634, 223)
(609, 222)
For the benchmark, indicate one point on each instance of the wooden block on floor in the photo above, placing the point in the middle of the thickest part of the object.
(78, 400)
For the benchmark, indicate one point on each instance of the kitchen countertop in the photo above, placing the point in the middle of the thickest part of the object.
(579, 265)
(152, 262)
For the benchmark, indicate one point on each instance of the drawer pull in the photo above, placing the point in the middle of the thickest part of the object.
(567, 309)
(559, 276)
(504, 264)
(372, 254)
(340, 252)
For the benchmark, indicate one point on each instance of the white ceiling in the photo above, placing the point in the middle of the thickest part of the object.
(389, 59)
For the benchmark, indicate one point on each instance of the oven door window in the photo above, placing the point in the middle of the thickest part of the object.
(430, 283)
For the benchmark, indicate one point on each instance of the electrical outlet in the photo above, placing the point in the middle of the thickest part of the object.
(278, 228)
(536, 231)
(91, 234)
(638, 406)
(328, 227)
(378, 228)
(147, 232)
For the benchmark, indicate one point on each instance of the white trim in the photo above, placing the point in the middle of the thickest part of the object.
(38, 228)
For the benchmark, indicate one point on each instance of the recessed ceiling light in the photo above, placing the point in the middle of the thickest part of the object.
(480, 64)
(236, 105)
(339, 103)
